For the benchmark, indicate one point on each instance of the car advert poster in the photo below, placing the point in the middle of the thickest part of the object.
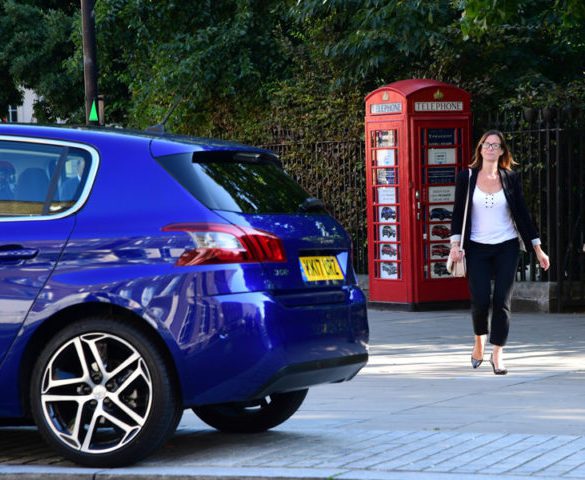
(386, 195)
(441, 136)
(386, 176)
(441, 231)
(384, 138)
(387, 233)
(388, 251)
(440, 251)
(440, 213)
(441, 156)
(442, 194)
(389, 271)
(439, 270)
(441, 175)
(386, 158)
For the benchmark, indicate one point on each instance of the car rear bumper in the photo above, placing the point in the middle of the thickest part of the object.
(257, 345)
(316, 372)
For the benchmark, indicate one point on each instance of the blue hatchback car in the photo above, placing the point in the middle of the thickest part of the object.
(144, 274)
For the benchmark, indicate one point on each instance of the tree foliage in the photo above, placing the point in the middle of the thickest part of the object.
(256, 69)
(502, 51)
(216, 58)
(542, 44)
(35, 51)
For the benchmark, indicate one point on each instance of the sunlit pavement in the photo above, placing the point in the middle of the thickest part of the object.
(417, 411)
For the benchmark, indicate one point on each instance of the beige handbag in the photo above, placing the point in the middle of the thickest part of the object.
(459, 268)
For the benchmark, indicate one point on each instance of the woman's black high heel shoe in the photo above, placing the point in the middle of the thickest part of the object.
(497, 371)
(476, 363)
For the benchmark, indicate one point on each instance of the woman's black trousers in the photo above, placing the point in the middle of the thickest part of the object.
(486, 263)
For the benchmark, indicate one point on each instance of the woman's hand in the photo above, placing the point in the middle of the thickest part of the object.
(542, 257)
(456, 253)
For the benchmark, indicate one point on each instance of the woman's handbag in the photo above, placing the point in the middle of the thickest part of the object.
(459, 268)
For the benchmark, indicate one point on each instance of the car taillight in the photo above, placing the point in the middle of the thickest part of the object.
(219, 243)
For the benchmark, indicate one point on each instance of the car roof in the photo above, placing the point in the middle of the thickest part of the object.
(160, 143)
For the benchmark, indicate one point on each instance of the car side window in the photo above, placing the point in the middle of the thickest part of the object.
(71, 178)
(40, 179)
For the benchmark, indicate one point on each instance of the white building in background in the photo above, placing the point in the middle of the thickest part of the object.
(23, 113)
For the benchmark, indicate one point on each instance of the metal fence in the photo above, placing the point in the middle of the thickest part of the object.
(335, 173)
(550, 150)
(549, 146)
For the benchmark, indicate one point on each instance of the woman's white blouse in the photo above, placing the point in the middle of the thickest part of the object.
(491, 220)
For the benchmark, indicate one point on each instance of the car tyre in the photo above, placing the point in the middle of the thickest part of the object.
(252, 417)
(102, 394)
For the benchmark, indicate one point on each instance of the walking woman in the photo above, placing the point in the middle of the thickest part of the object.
(498, 225)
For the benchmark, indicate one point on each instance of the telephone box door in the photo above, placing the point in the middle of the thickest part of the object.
(441, 152)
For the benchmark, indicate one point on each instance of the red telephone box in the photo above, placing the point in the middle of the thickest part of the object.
(418, 137)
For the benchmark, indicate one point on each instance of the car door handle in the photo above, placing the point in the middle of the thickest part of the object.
(18, 253)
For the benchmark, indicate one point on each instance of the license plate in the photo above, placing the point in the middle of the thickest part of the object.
(320, 268)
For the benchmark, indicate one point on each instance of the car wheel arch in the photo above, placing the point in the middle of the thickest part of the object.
(58, 321)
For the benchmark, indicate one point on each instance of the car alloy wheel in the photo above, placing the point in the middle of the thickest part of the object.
(101, 395)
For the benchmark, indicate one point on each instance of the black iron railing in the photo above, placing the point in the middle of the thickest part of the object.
(549, 145)
(335, 173)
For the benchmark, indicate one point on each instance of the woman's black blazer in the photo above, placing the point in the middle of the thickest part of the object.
(514, 196)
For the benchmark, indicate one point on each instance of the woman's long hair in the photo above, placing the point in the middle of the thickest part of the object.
(505, 161)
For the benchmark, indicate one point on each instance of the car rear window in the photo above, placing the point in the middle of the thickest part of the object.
(239, 182)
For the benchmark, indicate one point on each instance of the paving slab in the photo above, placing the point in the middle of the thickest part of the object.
(417, 411)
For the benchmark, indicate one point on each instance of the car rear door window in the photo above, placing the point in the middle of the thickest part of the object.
(38, 179)
(240, 182)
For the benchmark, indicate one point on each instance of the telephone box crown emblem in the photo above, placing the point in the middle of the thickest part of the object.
(438, 95)
(385, 96)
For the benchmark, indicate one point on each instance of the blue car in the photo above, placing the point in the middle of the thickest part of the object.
(144, 274)
(441, 213)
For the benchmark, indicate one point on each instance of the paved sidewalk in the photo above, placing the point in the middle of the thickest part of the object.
(417, 411)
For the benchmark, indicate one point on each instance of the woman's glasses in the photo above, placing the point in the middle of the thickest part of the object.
(491, 146)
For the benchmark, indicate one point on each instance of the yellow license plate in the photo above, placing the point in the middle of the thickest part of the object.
(321, 268)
